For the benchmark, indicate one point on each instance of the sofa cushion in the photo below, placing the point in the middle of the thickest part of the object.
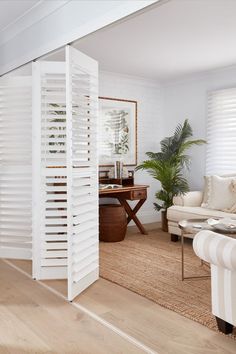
(177, 213)
(193, 199)
(218, 187)
(210, 190)
(205, 191)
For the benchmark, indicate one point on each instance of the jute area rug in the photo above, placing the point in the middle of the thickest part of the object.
(150, 265)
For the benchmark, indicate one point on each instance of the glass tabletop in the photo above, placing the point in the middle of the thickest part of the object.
(193, 226)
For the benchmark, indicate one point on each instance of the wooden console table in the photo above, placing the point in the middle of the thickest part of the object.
(135, 192)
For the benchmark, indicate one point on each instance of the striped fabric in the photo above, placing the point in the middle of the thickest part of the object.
(220, 252)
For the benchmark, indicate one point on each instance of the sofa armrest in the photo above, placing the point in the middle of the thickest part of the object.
(192, 199)
(216, 249)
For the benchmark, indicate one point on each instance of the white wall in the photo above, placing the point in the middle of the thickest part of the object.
(150, 126)
(187, 98)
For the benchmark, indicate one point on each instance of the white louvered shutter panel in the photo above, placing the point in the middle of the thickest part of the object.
(82, 164)
(221, 132)
(49, 171)
(15, 168)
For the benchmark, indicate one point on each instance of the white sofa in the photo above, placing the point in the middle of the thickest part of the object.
(220, 252)
(188, 206)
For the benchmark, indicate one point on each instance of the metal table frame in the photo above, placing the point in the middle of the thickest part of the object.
(183, 232)
(187, 227)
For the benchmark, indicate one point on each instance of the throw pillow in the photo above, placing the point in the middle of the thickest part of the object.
(220, 193)
(205, 192)
(233, 188)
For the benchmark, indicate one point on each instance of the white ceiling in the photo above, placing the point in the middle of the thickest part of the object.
(17, 15)
(11, 10)
(174, 39)
(162, 42)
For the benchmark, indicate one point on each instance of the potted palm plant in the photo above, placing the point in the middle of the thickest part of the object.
(167, 167)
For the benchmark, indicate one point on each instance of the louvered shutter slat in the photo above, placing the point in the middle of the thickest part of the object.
(82, 102)
(51, 199)
(15, 167)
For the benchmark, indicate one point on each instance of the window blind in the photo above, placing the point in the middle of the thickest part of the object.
(221, 132)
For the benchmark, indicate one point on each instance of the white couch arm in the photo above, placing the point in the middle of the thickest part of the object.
(216, 249)
(192, 199)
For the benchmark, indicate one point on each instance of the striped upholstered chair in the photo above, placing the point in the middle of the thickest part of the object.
(220, 252)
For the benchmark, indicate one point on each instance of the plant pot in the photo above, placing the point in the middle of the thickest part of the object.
(164, 222)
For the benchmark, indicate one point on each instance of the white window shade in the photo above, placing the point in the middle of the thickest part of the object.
(221, 132)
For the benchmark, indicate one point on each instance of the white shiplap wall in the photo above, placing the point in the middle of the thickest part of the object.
(187, 98)
(150, 126)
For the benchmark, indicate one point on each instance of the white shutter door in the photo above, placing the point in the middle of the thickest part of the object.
(82, 175)
(49, 171)
(15, 168)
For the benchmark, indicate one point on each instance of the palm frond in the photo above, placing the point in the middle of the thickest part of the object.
(154, 155)
(188, 144)
(157, 207)
(184, 161)
(186, 131)
(166, 166)
(166, 146)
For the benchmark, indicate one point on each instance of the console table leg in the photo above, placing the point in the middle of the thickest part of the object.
(132, 213)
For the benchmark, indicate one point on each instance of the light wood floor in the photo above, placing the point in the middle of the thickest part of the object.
(33, 320)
